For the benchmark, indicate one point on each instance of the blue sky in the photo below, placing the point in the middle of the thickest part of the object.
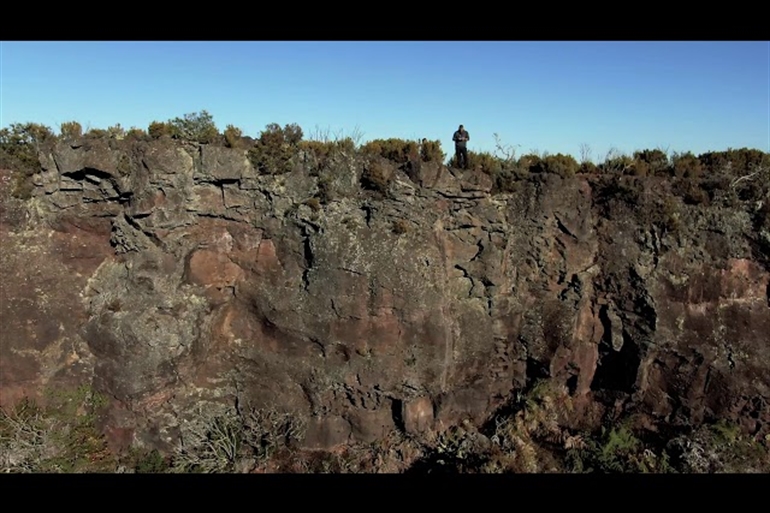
(546, 96)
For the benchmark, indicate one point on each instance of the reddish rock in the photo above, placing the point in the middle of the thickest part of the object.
(417, 415)
(189, 275)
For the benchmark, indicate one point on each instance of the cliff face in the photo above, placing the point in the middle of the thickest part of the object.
(172, 277)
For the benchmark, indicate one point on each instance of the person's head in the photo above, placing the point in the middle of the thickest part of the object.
(461, 128)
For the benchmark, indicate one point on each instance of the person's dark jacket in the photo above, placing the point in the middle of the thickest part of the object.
(460, 138)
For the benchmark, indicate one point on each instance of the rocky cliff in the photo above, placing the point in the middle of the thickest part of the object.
(184, 287)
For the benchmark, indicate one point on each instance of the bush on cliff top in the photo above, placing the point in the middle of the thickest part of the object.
(19, 147)
(273, 151)
(711, 176)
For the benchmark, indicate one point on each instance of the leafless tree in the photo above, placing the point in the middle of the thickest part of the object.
(585, 153)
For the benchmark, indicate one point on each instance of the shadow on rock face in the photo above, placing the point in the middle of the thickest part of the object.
(617, 370)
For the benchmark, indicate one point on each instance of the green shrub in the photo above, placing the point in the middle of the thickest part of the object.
(504, 180)
(217, 443)
(158, 129)
(273, 151)
(481, 161)
(686, 165)
(322, 152)
(125, 166)
(730, 178)
(430, 151)
(136, 134)
(97, 133)
(559, 164)
(616, 163)
(399, 151)
(151, 462)
(562, 165)
(196, 126)
(376, 177)
(617, 450)
(325, 188)
(63, 436)
(732, 162)
(23, 140)
(20, 144)
(651, 163)
(530, 162)
(71, 130)
(233, 137)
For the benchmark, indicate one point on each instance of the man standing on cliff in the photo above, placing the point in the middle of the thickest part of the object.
(461, 137)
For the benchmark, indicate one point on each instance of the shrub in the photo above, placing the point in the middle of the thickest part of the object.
(23, 140)
(158, 129)
(322, 152)
(71, 130)
(506, 152)
(588, 168)
(692, 194)
(721, 448)
(667, 215)
(729, 178)
(562, 165)
(732, 162)
(97, 133)
(136, 134)
(233, 137)
(19, 147)
(325, 189)
(617, 451)
(218, 443)
(616, 163)
(430, 151)
(376, 177)
(151, 462)
(116, 131)
(504, 181)
(125, 165)
(61, 437)
(559, 164)
(686, 165)
(399, 151)
(273, 151)
(212, 445)
(651, 162)
(531, 162)
(196, 126)
(481, 161)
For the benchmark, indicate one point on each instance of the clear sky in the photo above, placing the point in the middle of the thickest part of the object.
(546, 96)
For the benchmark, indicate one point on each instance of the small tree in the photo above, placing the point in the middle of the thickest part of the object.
(505, 152)
(196, 126)
(275, 148)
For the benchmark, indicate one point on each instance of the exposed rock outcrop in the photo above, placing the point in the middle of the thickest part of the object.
(171, 275)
